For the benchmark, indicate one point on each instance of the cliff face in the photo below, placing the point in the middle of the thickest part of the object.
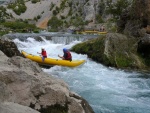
(136, 20)
(70, 9)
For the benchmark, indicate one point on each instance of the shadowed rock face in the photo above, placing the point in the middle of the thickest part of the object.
(135, 19)
(10, 107)
(9, 48)
(144, 46)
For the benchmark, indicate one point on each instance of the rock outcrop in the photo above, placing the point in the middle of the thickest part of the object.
(116, 50)
(10, 107)
(135, 20)
(9, 48)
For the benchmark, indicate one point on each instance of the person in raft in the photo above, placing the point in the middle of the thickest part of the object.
(67, 55)
(43, 53)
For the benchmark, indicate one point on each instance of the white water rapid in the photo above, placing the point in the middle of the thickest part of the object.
(107, 90)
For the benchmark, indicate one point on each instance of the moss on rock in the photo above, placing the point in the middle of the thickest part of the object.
(116, 50)
(94, 49)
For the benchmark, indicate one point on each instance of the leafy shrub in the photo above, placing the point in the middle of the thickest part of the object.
(52, 6)
(55, 23)
(19, 7)
(18, 25)
(99, 19)
(70, 4)
(56, 11)
(78, 21)
(116, 8)
(62, 5)
(35, 1)
(39, 16)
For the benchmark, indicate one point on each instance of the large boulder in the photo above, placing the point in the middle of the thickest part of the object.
(10, 107)
(23, 82)
(9, 48)
(115, 50)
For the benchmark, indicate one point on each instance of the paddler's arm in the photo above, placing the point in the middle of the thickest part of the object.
(60, 57)
(38, 53)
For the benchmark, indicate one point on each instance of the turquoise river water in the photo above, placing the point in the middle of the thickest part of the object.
(107, 89)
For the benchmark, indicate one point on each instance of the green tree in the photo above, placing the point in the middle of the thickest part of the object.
(99, 19)
(18, 7)
(78, 21)
(55, 23)
(116, 8)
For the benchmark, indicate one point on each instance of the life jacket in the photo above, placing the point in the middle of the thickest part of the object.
(44, 54)
(69, 57)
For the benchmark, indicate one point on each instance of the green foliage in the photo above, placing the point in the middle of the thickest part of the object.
(99, 19)
(52, 6)
(94, 49)
(56, 11)
(18, 7)
(62, 17)
(80, 11)
(70, 4)
(86, 0)
(77, 3)
(62, 5)
(35, 1)
(3, 32)
(55, 23)
(2, 9)
(39, 16)
(36, 31)
(111, 26)
(77, 21)
(35, 18)
(70, 12)
(116, 8)
(123, 61)
(18, 25)
(101, 7)
(3, 14)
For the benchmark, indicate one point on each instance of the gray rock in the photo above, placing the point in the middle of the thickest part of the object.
(9, 107)
(23, 82)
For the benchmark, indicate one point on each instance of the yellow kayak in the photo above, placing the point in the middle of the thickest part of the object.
(51, 61)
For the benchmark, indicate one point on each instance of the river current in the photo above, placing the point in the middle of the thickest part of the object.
(108, 90)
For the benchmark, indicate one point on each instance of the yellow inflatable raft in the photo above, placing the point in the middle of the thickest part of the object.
(92, 32)
(51, 61)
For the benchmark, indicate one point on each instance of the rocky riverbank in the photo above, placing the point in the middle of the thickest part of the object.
(25, 88)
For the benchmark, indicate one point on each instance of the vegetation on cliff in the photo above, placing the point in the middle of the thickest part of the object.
(79, 14)
(18, 7)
